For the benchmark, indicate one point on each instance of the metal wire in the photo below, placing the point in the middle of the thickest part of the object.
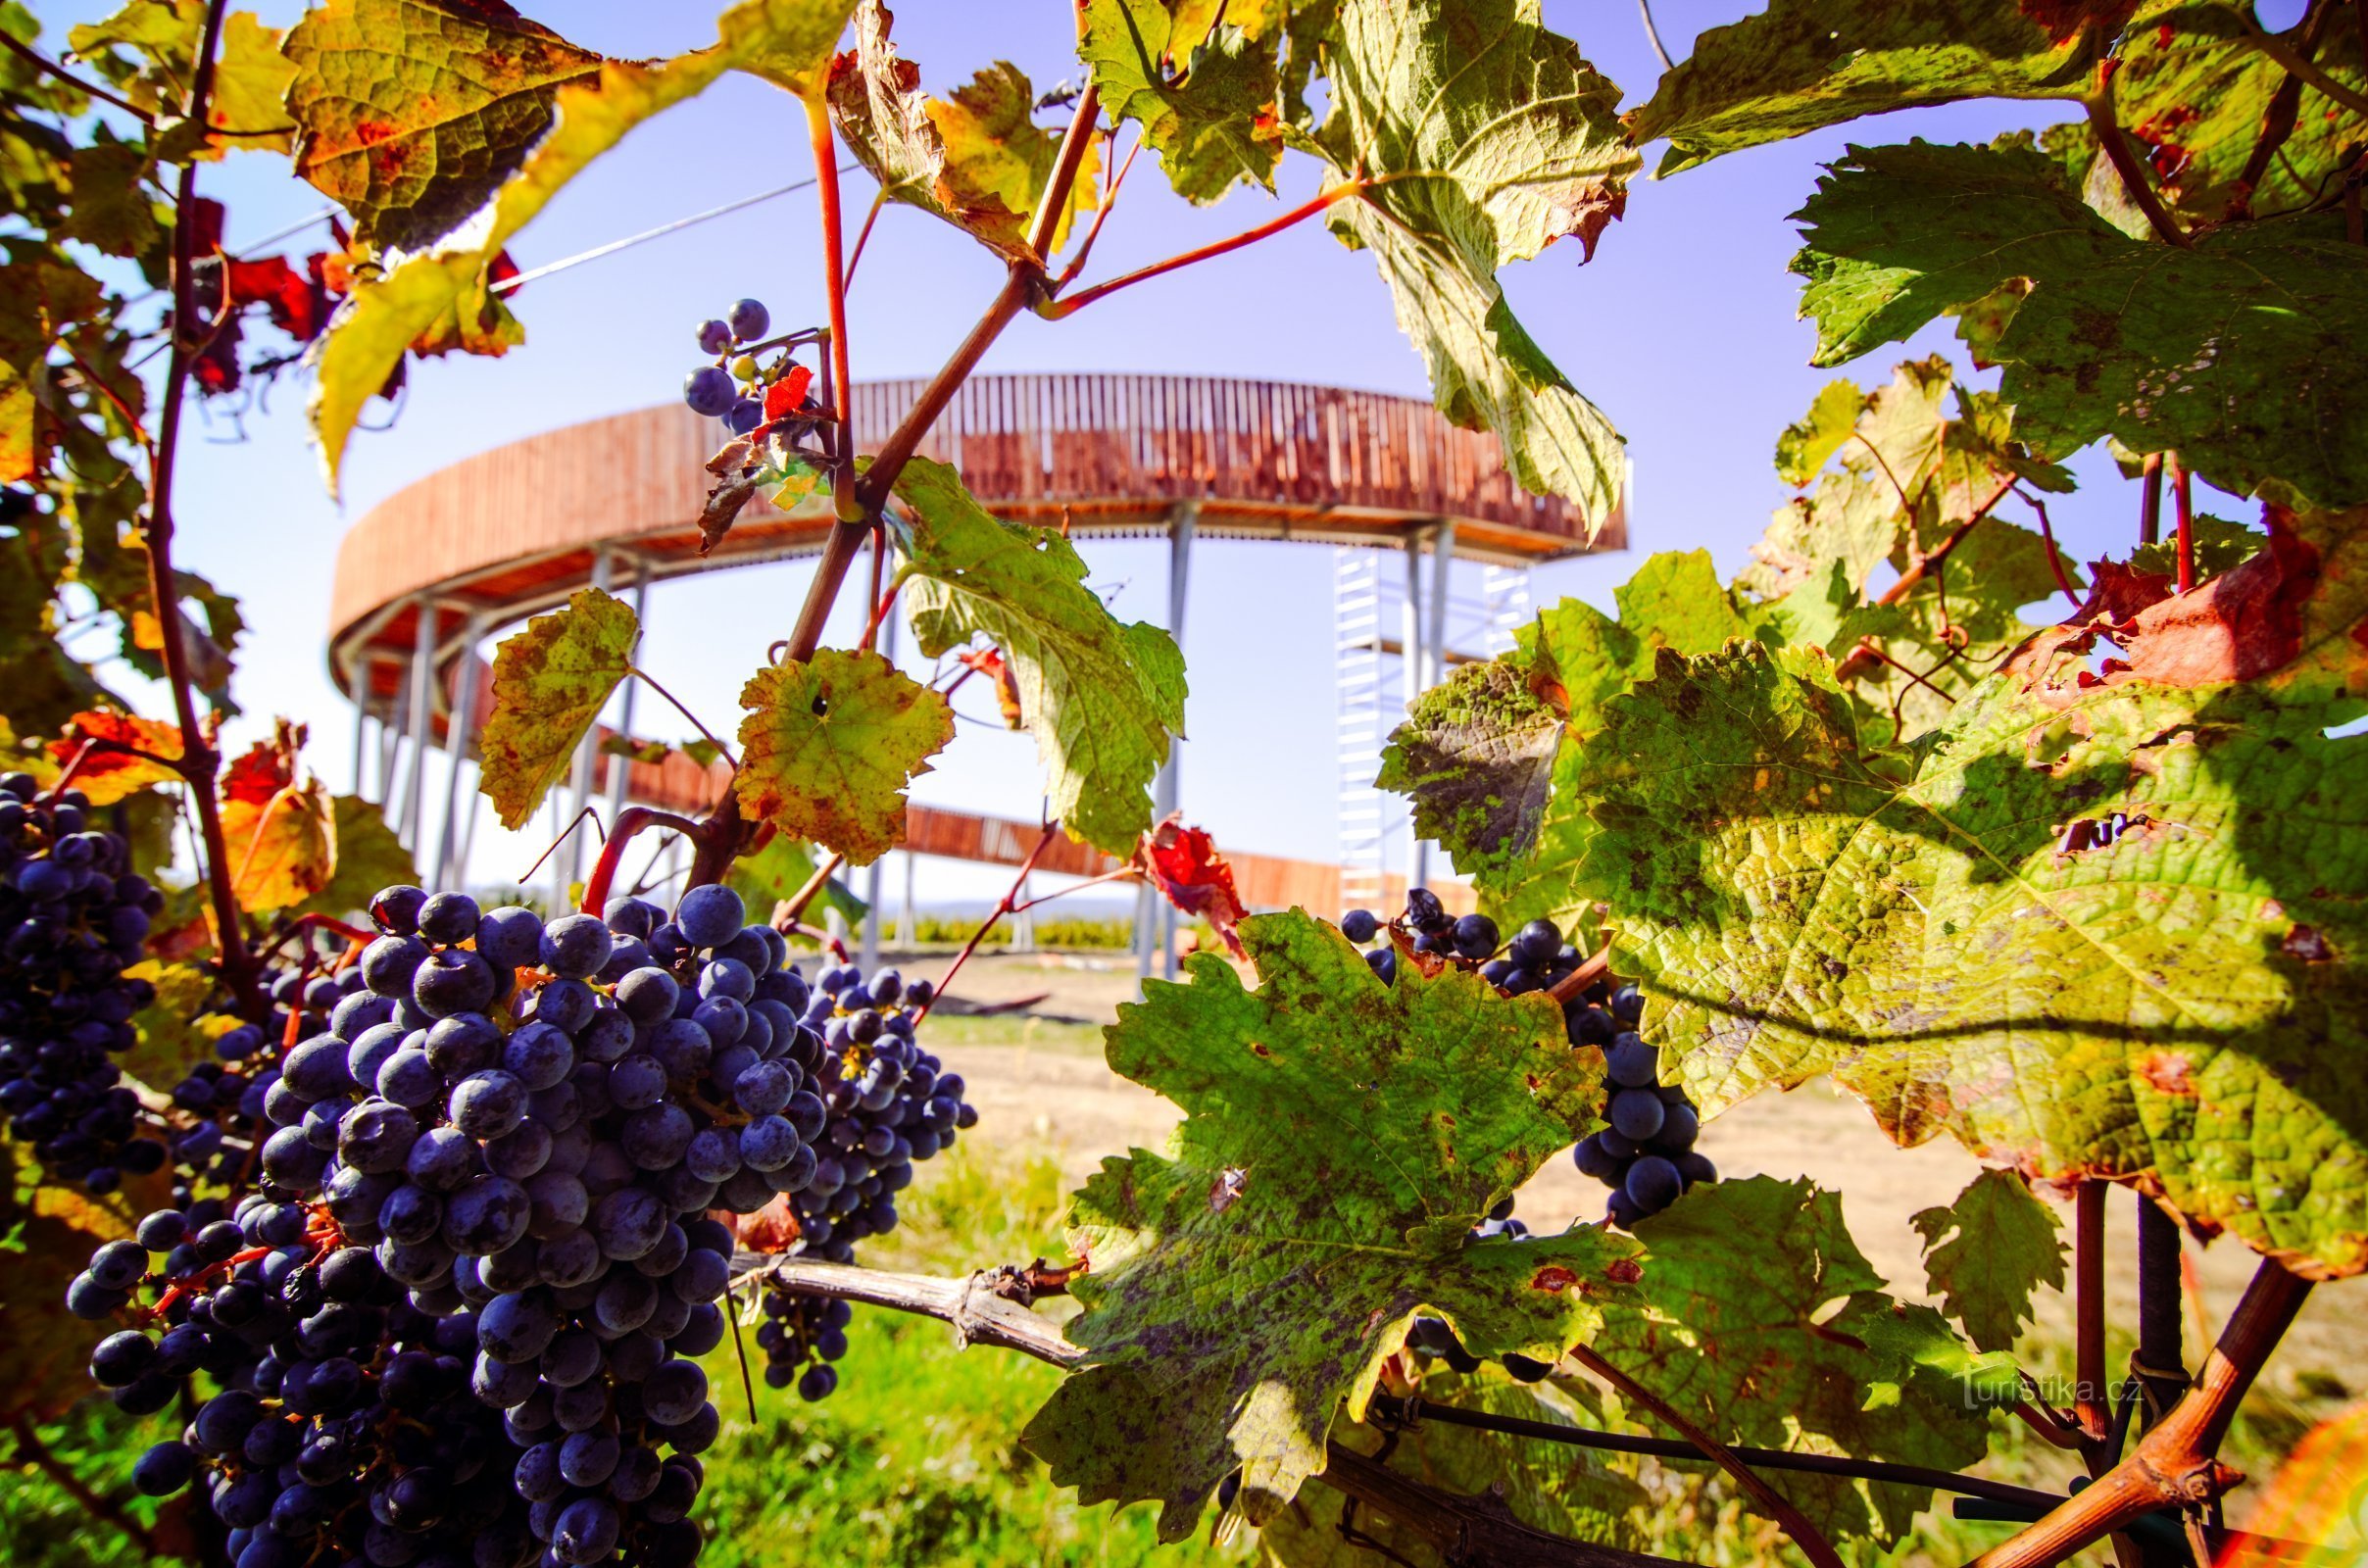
(508, 285)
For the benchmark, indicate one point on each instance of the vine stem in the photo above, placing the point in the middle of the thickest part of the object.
(2297, 65)
(2278, 120)
(2134, 177)
(719, 837)
(676, 705)
(1460, 1529)
(1854, 663)
(50, 67)
(2175, 1462)
(197, 752)
(34, 1450)
(1068, 305)
(2090, 1401)
(1806, 1536)
(1003, 906)
(2047, 533)
(797, 902)
(629, 821)
(2149, 500)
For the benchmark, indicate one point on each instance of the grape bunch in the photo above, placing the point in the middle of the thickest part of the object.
(228, 1101)
(733, 387)
(1647, 1155)
(888, 1103)
(74, 916)
(498, 1154)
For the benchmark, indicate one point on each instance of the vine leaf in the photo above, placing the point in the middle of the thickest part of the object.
(1480, 138)
(2219, 351)
(779, 869)
(1101, 697)
(147, 51)
(1732, 1329)
(1801, 65)
(410, 114)
(550, 682)
(105, 776)
(1988, 1253)
(368, 858)
(1563, 1489)
(281, 833)
(1205, 95)
(828, 747)
(1340, 1138)
(1482, 754)
(1808, 441)
(176, 1030)
(975, 159)
(2194, 94)
(2171, 1002)
(441, 299)
(1185, 865)
(42, 297)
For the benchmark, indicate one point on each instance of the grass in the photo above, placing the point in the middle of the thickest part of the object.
(916, 1459)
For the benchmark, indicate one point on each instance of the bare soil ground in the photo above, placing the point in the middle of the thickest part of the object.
(1043, 1078)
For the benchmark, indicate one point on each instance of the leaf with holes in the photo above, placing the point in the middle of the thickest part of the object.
(2096, 930)
(1102, 697)
(410, 114)
(1204, 93)
(1734, 1327)
(550, 682)
(1340, 1138)
(1480, 138)
(108, 775)
(2222, 351)
(1988, 1253)
(828, 747)
(1801, 65)
(976, 159)
(443, 299)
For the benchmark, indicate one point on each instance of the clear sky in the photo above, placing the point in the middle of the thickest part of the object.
(1682, 328)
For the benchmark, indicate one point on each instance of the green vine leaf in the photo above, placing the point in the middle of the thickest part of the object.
(2172, 1001)
(781, 868)
(1988, 1253)
(975, 159)
(1340, 1138)
(1480, 138)
(147, 52)
(1801, 65)
(2219, 351)
(442, 300)
(1204, 96)
(1733, 1327)
(410, 114)
(550, 682)
(1101, 696)
(828, 747)
(178, 1029)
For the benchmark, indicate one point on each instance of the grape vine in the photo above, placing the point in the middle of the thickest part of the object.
(422, 1213)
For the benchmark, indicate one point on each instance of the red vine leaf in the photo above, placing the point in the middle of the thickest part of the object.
(771, 1229)
(107, 776)
(1184, 864)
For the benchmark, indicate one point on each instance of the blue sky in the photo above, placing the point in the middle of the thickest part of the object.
(1682, 328)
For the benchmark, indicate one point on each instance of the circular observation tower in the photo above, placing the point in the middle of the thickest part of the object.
(433, 570)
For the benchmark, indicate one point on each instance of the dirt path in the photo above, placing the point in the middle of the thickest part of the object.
(1048, 1083)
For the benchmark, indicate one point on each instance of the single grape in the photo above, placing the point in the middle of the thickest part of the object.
(749, 318)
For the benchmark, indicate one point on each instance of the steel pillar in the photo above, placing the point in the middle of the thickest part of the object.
(620, 768)
(908, 924)
(1361, 704)
(1430, 667)
(421, 723)
(1168, 788)
(568, 859)
(460, 739)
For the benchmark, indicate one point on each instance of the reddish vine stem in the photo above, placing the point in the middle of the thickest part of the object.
(197, 750)
(2091, 1407)
(855, 258)
(785, 918)
(2175, 1464)
(89, 90)
(1811, 1541)
(1055, 310)
(629, 821)
(1580, 978)
(2183, 513)
(2047, 533)
(2149, 500)
(1124, 873)
(1853, 663)
(2278, 120)
(1003, 906)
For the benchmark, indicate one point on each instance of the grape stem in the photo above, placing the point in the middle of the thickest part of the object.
(1068, 305)
(1462, 1529)
(629, 821)
(1806, 1536)
(1585, 975)
(2134, 177)
(198, 756)
(786, 912)
(644, 676)
(89, 90)
(2183, 513)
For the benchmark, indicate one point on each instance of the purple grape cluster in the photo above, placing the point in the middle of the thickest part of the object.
(228, 1101)
(73, 917)
(732, 387)
(1647, 1155)
(888, 1103)
(489, 1165)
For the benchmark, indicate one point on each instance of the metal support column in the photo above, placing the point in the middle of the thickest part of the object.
(423, 725)
(460, 738)
(568, 860)
(361, 737)
(874, 890)
(1168, 787)
(619, 766)
(908, 923)
(1504, 602)
(1357, 655)
(1430, 667)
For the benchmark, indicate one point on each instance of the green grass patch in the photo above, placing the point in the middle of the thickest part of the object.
(1013, 1029)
